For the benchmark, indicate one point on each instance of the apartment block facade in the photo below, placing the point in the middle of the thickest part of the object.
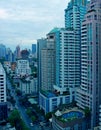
(89, 93)
(3, 101)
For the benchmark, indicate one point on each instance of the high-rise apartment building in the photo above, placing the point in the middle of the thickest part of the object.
(89, 93)
(3, 103)
(68, 50)
(48, 64)
(67, 67)
(74, 14)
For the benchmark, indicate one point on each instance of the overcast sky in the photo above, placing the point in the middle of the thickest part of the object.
(24, 21)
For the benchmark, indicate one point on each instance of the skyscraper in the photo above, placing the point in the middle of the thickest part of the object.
(48, 64)
(89, 94)
(67, 71)
(68, 48)
(74, 14)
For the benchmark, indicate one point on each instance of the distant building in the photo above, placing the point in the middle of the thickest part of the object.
(2, 51)
(17, 52)
(3, 101)
(9, 55)
(34, 49)
(24, 54)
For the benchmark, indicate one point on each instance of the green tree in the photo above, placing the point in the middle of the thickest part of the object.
(15, 120)
(33, 118)
(29, 112)
(48, 116)
(87, 111)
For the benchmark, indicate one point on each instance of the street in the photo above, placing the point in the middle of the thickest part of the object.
(22, 111)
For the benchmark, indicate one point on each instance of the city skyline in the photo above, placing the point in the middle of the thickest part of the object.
(23, 22)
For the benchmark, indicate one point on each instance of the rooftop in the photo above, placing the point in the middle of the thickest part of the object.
(69, 114)
(50, 94)
(54, 30)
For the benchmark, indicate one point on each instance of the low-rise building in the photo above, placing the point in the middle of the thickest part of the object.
(70, 119)
(49, 101)
(28, 85)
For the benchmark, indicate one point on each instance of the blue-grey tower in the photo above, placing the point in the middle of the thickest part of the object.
(89, 93)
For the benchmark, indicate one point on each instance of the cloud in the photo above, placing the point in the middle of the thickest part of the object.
(3, 14)
(28, 20)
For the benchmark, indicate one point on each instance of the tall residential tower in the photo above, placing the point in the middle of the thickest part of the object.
(89, 94)
(68, 48)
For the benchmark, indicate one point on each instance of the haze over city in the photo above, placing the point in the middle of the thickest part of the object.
(50, 65)
(23, 22)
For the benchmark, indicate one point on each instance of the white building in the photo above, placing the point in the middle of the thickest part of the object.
(2, 84)
(3, 104)
(23, 68)
(28, 85)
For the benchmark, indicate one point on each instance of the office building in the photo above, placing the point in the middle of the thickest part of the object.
(89, 93)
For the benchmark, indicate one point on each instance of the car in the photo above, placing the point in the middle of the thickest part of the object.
(31, 124)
